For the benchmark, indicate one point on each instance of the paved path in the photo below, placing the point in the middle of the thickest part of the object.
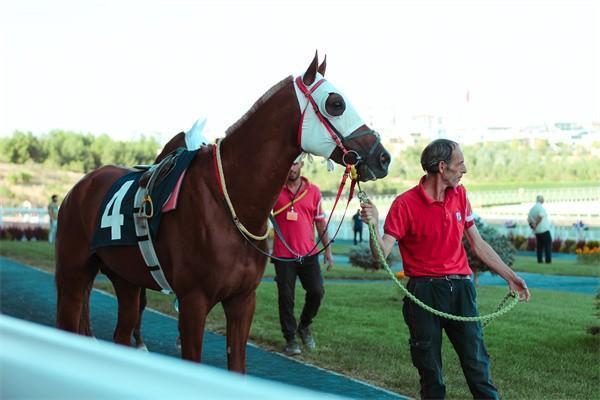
(29, 294)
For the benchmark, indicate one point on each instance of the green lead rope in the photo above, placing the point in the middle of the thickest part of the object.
(504, 306)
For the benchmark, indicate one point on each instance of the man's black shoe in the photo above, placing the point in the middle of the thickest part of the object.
(292, 348)
(307, 338)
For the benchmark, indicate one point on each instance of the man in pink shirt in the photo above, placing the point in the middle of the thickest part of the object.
(428, 222)
(297, 213)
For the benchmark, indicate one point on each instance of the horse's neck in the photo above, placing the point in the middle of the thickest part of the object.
(258, 155)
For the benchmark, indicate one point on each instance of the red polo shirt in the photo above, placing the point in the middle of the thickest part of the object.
(298, 234)
(429, 233)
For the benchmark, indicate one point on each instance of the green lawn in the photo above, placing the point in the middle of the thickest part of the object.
(557, 267)
(539, 350)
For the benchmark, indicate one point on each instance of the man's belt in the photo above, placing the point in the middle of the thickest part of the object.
(445, 277)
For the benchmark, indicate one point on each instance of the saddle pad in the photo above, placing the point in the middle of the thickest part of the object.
(115, 225)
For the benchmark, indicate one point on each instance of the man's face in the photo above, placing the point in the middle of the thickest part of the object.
(295, 171)
(453, 171)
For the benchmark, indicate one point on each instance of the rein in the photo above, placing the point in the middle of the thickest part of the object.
(350, 171)
(347, 157)
(502, 308)
(223, 188)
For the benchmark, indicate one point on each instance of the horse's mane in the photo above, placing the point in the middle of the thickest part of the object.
(258, 103)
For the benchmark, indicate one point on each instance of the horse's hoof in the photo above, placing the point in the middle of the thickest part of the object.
(142, 347)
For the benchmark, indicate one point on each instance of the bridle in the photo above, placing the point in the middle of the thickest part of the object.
(337, 137)
(350, 158)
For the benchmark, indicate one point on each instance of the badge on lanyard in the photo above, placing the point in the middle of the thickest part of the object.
(291, 215)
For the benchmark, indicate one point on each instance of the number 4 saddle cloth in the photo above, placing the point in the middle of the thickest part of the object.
(115, 225)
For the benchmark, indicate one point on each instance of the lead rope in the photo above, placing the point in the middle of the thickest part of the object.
(504, 306)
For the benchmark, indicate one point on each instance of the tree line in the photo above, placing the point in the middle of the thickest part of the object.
(76, 152)
(493, 163)
(487, 162)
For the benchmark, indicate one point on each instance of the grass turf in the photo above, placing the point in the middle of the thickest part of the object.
(540, 350)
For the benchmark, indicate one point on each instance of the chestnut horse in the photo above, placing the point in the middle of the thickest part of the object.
(205, 256)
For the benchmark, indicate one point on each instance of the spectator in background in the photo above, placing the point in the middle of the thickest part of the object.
(53, 214)
(538, 221)
(357, 226)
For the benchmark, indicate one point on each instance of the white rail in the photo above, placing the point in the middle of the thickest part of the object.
(38, 362)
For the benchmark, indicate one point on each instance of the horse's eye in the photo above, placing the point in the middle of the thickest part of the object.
(335, 105)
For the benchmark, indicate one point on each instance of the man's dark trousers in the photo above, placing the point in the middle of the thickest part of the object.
(454, 296)
(357, 232)
(543, 243)
(309, 272)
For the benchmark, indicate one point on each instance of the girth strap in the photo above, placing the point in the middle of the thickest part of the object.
(142, 231)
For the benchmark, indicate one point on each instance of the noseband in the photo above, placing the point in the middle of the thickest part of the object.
(337, 137)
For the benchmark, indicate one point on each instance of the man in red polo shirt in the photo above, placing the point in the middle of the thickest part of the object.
(297, 212)
(428, 222)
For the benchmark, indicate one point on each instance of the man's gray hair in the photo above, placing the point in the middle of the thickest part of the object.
(436, 151)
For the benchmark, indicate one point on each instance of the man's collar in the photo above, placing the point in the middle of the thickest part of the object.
(426, 198)
(304, 182)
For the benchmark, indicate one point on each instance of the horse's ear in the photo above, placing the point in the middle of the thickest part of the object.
(323, 66)
(311, 72)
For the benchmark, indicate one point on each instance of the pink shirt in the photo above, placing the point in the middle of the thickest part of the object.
(298, 234)
(429, 233)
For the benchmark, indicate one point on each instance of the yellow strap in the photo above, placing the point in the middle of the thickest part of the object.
(228, 201)
(297, 199)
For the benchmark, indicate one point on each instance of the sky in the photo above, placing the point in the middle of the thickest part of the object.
(153, 67)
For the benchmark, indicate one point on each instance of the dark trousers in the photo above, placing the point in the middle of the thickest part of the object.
(309, 272)
(357, 232)
(455, 296)
(543, 242)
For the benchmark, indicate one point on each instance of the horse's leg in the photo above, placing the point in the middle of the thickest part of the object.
(128, 299)
(74, 280)
(239, 312)
(193, 309)
(137, 331)
(85, 327)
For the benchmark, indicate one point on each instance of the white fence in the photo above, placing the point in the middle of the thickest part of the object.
(565, 207)
(38, 362)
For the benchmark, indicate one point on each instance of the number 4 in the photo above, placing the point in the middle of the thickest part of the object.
(112, 217)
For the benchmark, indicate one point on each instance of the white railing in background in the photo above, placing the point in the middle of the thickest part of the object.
(38, 362)
(564, 206)
(23, 215)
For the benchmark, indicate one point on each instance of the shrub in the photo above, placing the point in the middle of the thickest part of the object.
(569, 246)
(499, 243)
(17, 178)
(360, 256)
(23, 233)
(592, 243)
(588, 256)
(518, 241)
(556, 245)
(531, 244)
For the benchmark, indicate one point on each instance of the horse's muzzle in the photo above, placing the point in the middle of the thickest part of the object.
(375, 165)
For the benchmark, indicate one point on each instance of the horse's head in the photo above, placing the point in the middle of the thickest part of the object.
(331, 127)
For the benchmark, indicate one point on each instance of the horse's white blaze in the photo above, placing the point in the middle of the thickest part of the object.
(315, 137)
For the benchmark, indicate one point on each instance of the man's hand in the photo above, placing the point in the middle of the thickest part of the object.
(328, 259)
(369, 213)
(517, 284)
